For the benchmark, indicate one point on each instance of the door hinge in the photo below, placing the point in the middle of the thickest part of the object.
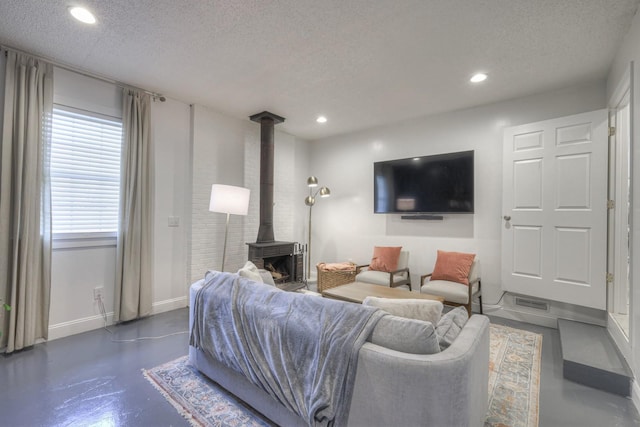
(611, 204)
(612, 130)
(610, 277)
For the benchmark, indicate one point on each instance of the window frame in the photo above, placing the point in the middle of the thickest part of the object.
(87, 239)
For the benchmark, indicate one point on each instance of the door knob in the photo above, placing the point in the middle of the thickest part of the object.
(507, 218)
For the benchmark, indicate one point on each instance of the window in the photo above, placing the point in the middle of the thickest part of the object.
(85, 172)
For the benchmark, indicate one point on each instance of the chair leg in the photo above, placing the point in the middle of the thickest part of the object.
(480, 301)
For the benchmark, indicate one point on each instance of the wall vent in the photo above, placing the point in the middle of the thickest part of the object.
(532, 303)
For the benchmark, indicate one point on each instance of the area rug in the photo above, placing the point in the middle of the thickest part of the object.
(514, 377)
(514, 384)
(198, 399)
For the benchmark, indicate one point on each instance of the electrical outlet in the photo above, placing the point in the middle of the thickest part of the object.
(97, 293)
(174, 221)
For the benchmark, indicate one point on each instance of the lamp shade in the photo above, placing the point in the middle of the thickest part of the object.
(312, 181)
(229, 199)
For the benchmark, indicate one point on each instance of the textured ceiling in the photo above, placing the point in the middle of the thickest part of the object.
(362, 63)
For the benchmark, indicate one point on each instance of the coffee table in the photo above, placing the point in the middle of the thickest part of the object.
(358, 291)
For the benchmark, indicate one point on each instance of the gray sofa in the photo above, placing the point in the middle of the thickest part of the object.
(449, 388)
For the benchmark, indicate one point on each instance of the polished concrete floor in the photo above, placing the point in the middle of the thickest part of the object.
(88, 380)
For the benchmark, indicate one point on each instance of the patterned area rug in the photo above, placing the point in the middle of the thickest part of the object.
(201, 401)
(514, 377)
(514, 385)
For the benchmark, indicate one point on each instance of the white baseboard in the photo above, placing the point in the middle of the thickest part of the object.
(78, 326)
(168, 305)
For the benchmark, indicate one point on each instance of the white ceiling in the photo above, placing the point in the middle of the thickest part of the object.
(362, 63)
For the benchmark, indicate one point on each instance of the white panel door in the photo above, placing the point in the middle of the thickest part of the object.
(555, 209)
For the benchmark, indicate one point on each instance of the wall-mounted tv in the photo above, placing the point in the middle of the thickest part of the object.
(441, 183)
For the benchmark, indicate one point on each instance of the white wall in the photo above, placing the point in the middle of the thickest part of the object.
(630, 52)
(86, 93)
(76, 271)
(345, 227)
(227, 151)
(171, 123)
(218, 158)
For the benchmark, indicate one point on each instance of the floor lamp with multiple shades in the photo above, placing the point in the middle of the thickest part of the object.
(310, 200)
(228, 199)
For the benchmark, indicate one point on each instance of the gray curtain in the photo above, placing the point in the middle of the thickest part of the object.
(133, 254)
(25, 203)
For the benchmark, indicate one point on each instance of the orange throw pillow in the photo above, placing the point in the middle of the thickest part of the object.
(385, 258)
(453, 266)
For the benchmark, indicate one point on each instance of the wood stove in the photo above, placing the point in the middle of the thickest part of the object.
(283, 259)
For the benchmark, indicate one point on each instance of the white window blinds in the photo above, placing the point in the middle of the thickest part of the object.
(85, 171)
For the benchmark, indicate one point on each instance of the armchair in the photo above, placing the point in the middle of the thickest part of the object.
(456, 294)
(399, 277)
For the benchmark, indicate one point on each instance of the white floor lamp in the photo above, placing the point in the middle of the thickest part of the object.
(229, 200)
(310, 200)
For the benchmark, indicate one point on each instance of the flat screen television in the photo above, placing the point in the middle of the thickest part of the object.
(439, 184)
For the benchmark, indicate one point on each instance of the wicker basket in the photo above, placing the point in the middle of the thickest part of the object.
(331, 279)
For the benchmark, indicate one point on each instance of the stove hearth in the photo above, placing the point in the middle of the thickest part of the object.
(282, 259)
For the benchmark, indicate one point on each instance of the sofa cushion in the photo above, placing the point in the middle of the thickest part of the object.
(405, 335)
(450, 291)
(419, 309)
(450, 326)
(385, 258)
(453, 266)
(378, 277)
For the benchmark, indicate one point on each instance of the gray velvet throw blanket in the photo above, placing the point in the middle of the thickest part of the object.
(301, 349)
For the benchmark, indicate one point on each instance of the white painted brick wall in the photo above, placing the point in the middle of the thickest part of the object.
(252, 181)
(218, 157)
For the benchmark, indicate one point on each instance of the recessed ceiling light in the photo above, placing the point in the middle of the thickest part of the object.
(82, 15)
(321, 119)
(477, 78)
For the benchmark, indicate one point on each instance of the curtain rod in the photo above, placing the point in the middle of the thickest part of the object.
(155, 95)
